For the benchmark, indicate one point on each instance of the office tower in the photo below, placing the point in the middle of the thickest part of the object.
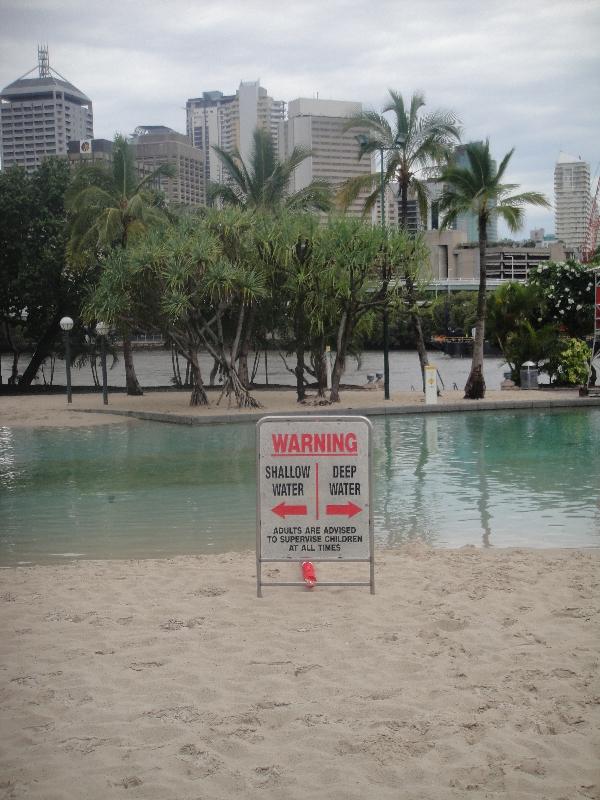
(318, 126)
(90, 151)
(156, 144)
(39, 116)
(152, 145)
(572, 200)
(229, 122)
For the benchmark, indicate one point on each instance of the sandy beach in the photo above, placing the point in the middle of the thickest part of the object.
(470, 673)
(52, 410)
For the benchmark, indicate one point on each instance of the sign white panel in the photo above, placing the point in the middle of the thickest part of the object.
(430, 385)
(314, 489)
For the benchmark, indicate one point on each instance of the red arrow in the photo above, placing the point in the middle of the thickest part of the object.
(348, 510)
(285, 511)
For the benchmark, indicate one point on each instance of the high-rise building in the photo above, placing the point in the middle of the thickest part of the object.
(155, 145)
(318, 126)
(572, 200)
(152, 145)
(229, 122)
(466, 223)
(40, 116)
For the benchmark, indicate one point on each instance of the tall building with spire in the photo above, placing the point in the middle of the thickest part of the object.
(40, 115)
(572, 200)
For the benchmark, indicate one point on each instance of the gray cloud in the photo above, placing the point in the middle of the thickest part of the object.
(524, 74)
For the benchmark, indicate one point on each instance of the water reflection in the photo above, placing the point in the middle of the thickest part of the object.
(492, 479)
(510, 478)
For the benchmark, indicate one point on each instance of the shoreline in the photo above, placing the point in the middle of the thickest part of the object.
(469, 672)
(43, 410)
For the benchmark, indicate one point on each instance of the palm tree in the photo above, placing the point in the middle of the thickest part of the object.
(410, 149)
(478, 188)
(109, 207)
(263, 183)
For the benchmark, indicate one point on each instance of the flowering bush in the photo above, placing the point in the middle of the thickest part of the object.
(567, 291)
(570, 365)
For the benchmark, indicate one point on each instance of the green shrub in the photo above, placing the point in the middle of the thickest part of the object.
(570, 365)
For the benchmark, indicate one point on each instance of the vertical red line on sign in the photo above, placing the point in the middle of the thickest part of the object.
(317, 488)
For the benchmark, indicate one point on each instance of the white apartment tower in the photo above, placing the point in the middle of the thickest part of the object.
(572, 200)
(318, 126)
(40, 116)
(229, 121)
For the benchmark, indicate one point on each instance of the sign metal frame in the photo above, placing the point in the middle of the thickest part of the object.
(299, 558)
(595, 356)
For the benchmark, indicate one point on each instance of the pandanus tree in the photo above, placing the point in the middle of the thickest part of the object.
(298, 282)
(478, 188)
(263, 183)
(110, 208)
(411, 146)
(205, 291)
(369, 266)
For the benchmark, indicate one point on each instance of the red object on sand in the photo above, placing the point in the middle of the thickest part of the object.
(308, 573)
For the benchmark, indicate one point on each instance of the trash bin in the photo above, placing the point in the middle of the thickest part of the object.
(529, 376)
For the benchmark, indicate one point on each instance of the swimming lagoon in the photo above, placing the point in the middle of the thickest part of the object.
(485, 478)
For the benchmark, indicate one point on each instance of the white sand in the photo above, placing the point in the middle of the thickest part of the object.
(470, 674)
(52, 410)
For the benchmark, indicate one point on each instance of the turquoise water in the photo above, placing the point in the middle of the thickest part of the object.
(145, 490)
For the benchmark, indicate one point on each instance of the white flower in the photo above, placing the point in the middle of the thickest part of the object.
(578, 307)
(561, 311)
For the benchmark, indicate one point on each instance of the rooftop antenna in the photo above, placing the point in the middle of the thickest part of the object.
(43, 61)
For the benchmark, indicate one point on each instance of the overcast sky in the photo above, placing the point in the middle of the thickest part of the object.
(524, 73)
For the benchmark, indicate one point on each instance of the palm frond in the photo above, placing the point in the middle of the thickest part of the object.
(220, 191)
(316, 196)
(350, 189)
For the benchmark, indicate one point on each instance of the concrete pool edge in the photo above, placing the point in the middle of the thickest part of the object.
(368, 411)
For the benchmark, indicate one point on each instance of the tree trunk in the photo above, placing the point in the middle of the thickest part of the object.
(213, 372)
(339, 365)
(475, 385)
(415, 320)
(175, 366)
(131, 381)
(299, 323)
(198, 397)
(415, 323)
(243, 372)
(14, 370)
(320, 365)
(403, 203)
(42, 351)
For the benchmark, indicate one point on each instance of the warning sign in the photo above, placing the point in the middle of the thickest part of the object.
(314, 489)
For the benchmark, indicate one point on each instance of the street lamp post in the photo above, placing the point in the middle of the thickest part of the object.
(102, 329)
(66, 325)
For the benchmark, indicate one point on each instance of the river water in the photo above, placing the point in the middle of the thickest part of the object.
(153, 368)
